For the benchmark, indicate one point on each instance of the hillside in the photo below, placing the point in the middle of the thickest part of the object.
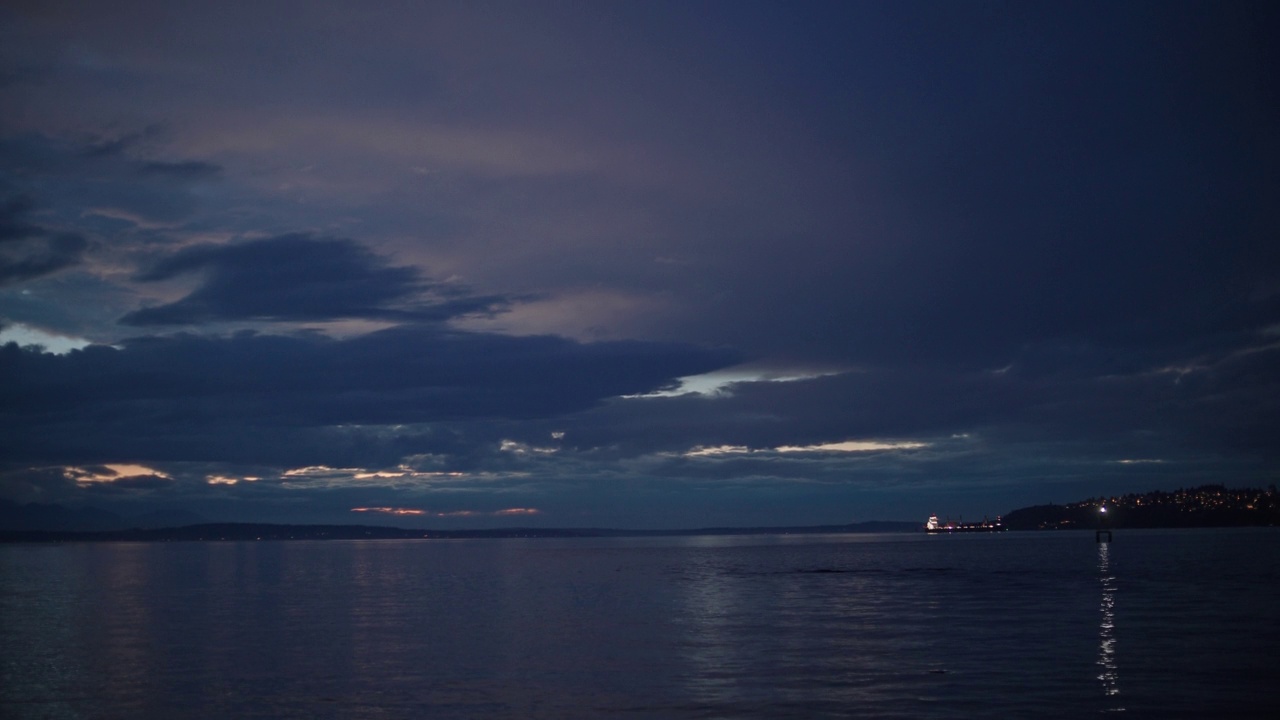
(1204, 506)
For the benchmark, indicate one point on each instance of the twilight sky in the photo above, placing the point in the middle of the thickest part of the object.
(635, 264)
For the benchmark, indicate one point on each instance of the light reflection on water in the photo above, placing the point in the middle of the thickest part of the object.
(764, 627)
(1107, 628)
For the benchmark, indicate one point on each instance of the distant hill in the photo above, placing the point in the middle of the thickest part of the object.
(45, 517)
(166, 519)
(260, 531)
(1204, 506)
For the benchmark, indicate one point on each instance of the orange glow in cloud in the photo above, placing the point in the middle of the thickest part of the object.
(339, 474)
(110, 472)
(848, 446)
(853, 446)
(703, 451)
(446, 514)
(320, 470)
(228, 480)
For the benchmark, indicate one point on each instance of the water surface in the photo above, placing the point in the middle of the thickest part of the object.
(1157, 623)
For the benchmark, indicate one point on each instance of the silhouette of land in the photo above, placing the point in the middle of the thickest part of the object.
(263, 531)
(1204, 506)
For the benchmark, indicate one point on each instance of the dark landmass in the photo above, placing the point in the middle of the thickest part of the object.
(259, 531)
(52, 517)
(40, 516)
(1204, 506)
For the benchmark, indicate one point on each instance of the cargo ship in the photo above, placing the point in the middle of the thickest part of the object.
(933, 526)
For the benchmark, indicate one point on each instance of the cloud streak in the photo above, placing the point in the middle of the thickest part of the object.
(298, 277)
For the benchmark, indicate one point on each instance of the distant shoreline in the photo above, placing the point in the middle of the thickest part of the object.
(246, 532)
(1203, 506)
(259, 531)
(1199, 507)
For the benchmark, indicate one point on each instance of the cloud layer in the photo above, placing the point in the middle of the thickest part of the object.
(447, 254)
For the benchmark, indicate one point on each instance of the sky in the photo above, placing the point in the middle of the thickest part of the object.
(635, 264)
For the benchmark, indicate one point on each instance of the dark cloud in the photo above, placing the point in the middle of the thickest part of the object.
(119, 144)
(129, 483)
(298, 277)
(184, 170)
(1024, 177)
(13, 223)
(29, 251)
(1100, 404)
(170, 396)
(36, 484)
(127, 178)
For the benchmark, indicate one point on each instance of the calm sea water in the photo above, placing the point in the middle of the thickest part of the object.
(1155, 624)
